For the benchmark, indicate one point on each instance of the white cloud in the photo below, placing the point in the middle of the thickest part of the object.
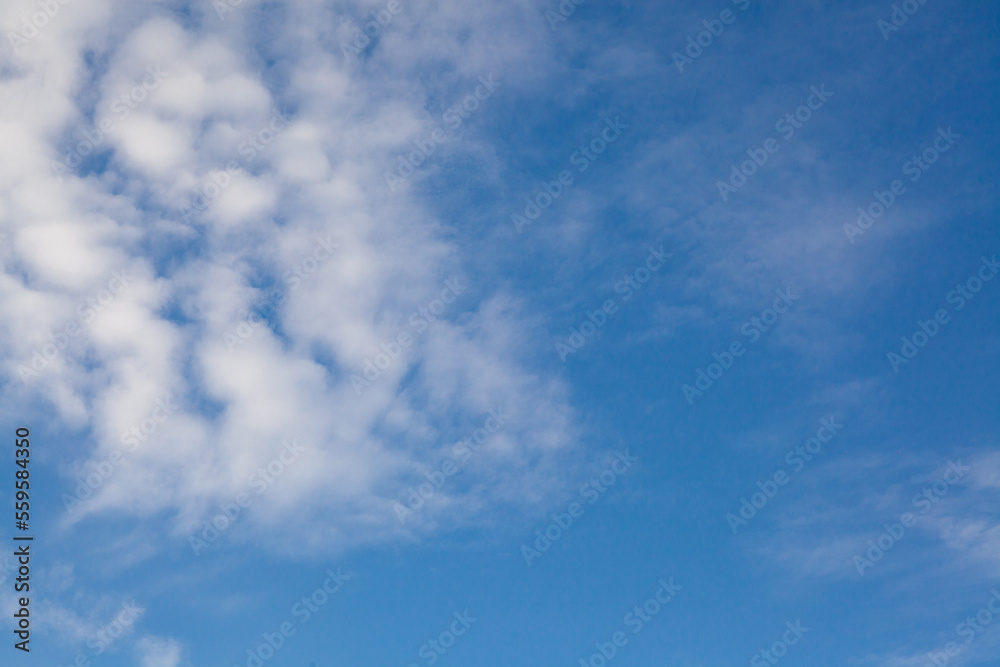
(197, 281)
(158, 651)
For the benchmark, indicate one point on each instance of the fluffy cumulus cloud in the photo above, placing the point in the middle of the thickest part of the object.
(206, 264)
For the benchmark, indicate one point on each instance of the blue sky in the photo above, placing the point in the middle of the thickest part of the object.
(457, 321)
